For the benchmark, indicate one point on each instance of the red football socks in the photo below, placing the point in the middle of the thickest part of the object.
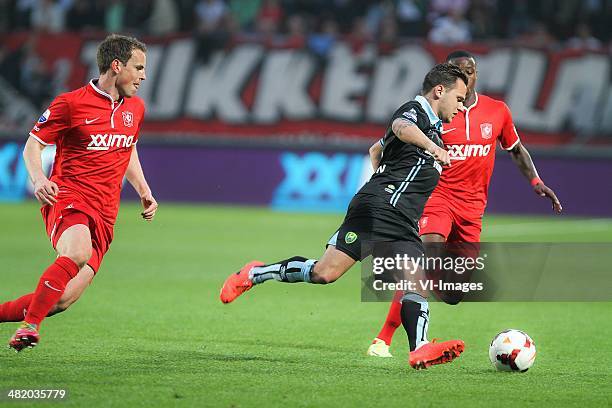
(50, 288)
(15, 310)
(394, 319)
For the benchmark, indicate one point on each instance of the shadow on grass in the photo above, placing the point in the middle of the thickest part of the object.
(289, 345)
(240, 358)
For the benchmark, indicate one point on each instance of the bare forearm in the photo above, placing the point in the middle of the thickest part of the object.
(522, 159)
(33, 162)
(135, 175)
(408, 132)
(411, 134)
(45, 191)
(375, 155)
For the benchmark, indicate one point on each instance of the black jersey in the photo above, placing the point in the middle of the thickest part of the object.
(406, 175)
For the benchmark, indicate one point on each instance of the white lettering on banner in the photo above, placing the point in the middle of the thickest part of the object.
(571, 85)
(365, 86)
(106, 141)
(578, 94)
(522, 96)
(166, 85)
(495, 71)
(606, 115)
(216, 86)
(284, 87)
(154, 71)
(88, 56)
(395, 77)
(342, 85)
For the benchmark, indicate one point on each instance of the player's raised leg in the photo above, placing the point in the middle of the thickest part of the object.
(74, 250)
(15, 310)
(332, 265)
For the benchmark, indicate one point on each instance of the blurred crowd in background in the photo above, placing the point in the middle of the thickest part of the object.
(317, 23)
(305, 24)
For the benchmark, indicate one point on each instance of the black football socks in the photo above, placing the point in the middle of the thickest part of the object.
(296, 269)
(415, 318)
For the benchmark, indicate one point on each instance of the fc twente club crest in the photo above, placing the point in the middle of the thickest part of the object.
(486, 130)
(128, 118)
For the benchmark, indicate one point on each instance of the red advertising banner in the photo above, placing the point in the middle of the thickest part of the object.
(265, 92)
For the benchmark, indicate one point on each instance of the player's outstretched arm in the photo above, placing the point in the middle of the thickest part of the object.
(521, 157)
(45, 190)
(376, 154)
(135, 176)
(408, 132)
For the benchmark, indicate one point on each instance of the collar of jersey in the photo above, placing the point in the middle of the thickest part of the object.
(433, 118)
(100, 92)
(464, 109)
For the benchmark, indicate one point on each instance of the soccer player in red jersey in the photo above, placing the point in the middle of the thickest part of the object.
(95, 129)
(454, 211)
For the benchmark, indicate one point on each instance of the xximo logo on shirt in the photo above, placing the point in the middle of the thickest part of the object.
(318, 182)
(462, 152)
(106, 141)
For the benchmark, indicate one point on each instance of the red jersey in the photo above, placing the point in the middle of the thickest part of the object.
(471, 139)
(94, 136)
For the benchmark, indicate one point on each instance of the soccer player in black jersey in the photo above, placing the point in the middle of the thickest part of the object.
(386, 210)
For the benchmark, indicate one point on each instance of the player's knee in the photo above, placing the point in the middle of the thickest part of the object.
(59, 307)
(451, 299)
(324, 275)
(80, 255)
(64, 303)
(79, 252)
(322, 279)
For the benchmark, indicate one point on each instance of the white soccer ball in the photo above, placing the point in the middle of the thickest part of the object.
(512, 350)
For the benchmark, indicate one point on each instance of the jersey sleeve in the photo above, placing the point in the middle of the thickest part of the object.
(509, 136)
(53, 122)
(410, 114)
(142, 117)
(140, 121)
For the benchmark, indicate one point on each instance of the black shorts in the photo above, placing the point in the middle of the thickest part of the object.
(358, 236)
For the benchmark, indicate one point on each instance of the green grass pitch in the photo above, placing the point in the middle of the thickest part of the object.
(151, 331)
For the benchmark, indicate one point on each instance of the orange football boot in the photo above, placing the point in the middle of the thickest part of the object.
(25, 336)
(436, 353)
(238, 283)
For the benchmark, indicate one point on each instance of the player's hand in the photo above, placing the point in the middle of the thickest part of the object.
(440, 155)
(150, 206)
(543, 191)
(45, 191)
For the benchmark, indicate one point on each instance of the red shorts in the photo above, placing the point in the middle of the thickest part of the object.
(442, 217)
(66, 213)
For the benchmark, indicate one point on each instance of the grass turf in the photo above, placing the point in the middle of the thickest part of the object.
(151, 330)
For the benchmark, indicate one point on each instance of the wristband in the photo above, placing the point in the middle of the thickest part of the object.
(535, 181)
